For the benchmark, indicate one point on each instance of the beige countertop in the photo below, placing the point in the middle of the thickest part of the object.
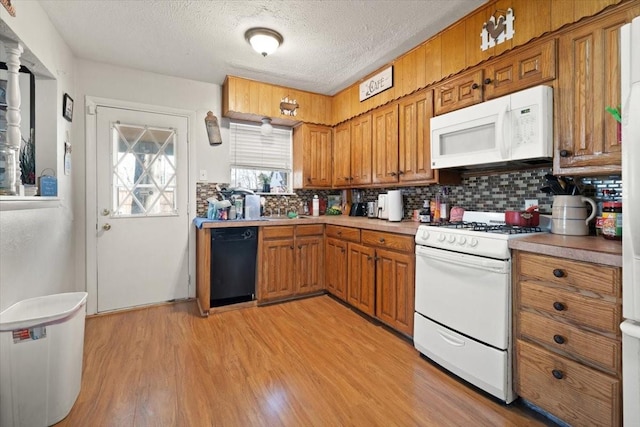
(580, 248)
(402, 227)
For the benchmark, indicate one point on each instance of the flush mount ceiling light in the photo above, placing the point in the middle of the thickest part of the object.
(266, 129)
(263, 40)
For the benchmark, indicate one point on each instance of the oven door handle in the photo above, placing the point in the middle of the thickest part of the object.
(470, 261)
(450, 339)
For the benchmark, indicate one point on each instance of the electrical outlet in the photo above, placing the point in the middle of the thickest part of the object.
(203, 175)
(530, 202)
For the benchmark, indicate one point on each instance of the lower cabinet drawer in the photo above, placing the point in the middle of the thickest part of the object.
(576, 394)
(587, 346)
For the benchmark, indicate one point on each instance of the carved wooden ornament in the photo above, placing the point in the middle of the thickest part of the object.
(496, 31)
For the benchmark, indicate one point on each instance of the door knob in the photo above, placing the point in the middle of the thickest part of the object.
(105, 212)
(106, 227)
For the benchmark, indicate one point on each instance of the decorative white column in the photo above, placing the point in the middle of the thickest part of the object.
(14, 137)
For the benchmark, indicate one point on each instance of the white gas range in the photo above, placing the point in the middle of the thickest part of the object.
(463, 298)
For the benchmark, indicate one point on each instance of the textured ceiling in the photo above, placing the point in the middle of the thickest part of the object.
(328, 45)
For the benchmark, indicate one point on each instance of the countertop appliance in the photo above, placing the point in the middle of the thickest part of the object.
(383, 212)
(630, 86)
(516, 127)
(395, 205)
(233, 265)
(358, 209)
(462, 315)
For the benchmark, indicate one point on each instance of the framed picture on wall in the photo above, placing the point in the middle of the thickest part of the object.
(67, 107)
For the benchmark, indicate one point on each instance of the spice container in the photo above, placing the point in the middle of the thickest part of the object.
(612, 220)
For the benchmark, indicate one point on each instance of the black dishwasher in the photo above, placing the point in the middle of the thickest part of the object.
(233, 265)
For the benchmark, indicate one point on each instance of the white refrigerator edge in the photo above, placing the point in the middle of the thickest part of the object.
(630, 91)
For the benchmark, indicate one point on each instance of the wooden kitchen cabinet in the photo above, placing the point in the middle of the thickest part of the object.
(336, 267)
(290, 261)
(520, 69)
(394, 278)
(568, 347)
(360, 150)
(309, 259)
(460, 91)
(312, 156)
(251, 100)
(414, 151)
(276, 264)
(336, 258)
(385, 145)
(341, 166)
(589, 81)
(361, 274)
(352, 152)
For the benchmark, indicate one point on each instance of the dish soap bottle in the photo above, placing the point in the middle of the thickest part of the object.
(316, 206)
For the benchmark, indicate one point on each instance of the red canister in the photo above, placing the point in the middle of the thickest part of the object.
(612, 220)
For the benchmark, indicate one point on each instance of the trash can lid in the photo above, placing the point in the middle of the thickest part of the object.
(38, 311)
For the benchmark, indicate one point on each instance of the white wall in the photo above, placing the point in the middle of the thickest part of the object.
(101, 80)
(42, 251)
(36, 245)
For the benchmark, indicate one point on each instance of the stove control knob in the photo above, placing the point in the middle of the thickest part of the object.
(452, 238)
(473, 242)
(462, 240)
(441, 237)
(425, 234)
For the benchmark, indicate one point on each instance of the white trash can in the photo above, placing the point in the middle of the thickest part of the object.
(41, 345)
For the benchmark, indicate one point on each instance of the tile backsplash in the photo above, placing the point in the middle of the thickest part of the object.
(495, 192)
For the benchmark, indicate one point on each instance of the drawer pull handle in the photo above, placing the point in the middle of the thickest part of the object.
(557, 374)
(559, 306)
(558, 273)
(559, 339)
(382, 240)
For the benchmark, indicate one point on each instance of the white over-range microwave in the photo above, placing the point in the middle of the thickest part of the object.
(516, 127)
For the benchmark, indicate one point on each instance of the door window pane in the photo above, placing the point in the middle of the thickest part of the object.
(143, 170)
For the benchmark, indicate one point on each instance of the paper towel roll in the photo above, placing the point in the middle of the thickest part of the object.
(394, 205)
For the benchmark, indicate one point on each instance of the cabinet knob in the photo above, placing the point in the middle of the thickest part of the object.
(487, 81)
(346, 178)
(299, 246)
(559, 339)
(339, 233)
(308, 179)
(559, 306)
(557, 374)
(392, 173)
(350, 178)
(475, 86)
(382, 240)
(564, 153)
(291, 247)
(558, 273)
(400, 172)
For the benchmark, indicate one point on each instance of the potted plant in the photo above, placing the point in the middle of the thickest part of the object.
(28, 162)
(266, 182)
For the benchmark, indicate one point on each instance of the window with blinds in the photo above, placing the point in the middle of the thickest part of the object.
(260, 162)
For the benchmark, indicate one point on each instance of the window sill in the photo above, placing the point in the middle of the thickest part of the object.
(15, 203)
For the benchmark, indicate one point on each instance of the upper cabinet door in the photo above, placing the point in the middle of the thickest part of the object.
(458, 92)
(312, 156)
(589, 63)
(342, 155)
(361, 150)
(414, 145)
(526, 68)
(385, 145)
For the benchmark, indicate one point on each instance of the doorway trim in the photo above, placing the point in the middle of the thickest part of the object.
(91, 261)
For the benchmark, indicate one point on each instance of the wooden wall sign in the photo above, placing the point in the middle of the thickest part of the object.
(496, 31)
(376, 84)
(7, 5)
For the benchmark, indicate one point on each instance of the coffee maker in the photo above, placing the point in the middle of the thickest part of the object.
(358, 207)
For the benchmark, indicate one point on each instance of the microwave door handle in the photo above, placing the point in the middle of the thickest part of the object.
(502, 146)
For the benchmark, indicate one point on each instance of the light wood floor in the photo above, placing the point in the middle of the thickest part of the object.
(311, 362)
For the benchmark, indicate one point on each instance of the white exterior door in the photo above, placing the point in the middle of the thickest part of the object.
(142, 208)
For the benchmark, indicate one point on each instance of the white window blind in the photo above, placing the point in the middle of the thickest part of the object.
(252, 150)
